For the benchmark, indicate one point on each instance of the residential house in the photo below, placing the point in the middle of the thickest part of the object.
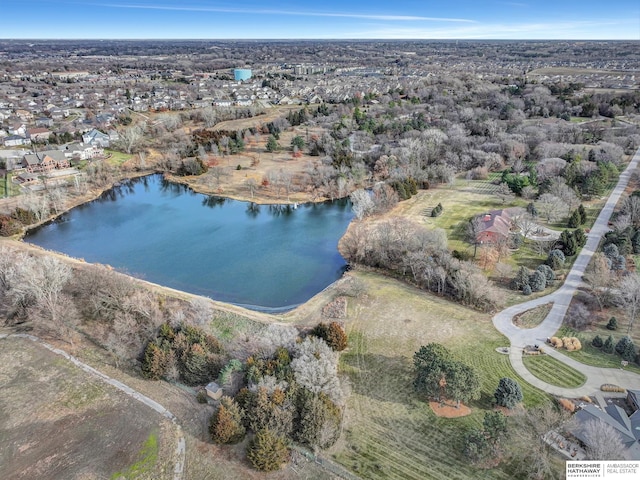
(82, 151)
(45, 161)
(627, 427)
(44, 122)
(96, 138)
(15, 141)
(39, 134)
(495, 227)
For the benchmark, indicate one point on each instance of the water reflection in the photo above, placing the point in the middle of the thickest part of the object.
(266, 256)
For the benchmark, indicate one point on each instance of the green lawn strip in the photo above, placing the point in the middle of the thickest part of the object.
(590, 355)
(534, 317)
(117, 158)
(148, 456)
(552, 371)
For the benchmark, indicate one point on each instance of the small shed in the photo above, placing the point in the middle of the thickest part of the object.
(214, 391)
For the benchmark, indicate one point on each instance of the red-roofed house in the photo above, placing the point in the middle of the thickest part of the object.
(496, 226)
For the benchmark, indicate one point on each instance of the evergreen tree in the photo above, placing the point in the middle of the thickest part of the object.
(508, 394)
(476, 446)
(621, 346)
(574, 219)
(495, 426)
(556, 259)
(613, 324)
(607, 347)
(272, 144)
(226, 425)
(597, 341)
(267, 452)
(629, 353)
(537, 281)
(521, 279)
(583, 214)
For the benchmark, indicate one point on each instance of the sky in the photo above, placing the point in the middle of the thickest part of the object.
(329, 19)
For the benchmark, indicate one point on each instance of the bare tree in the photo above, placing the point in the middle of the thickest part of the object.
(551, 207)
(599, 278)
(504, 193)
(531, 456)
(603, 441)
(251, 185)
(526, 223)
(631, 207)
(473, 229)
(362, 203)
(630, 296)
(131, 137)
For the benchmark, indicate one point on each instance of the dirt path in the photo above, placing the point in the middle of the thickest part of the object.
(180, 451)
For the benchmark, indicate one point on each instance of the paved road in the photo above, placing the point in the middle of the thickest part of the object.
(561, 299)
(180, 449)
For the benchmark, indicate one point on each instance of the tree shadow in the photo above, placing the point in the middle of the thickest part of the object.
(380, 377)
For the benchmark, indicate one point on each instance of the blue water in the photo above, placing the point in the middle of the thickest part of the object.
(260, 256)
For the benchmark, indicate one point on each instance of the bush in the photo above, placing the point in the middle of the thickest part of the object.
(556, 342)
(333, 334)
(9, 226)
(608, 387)
(597, 341)
(526, 290)
(437, 210)
(547, 271)
(613, 324)
(476, 446)
(508, 394)
(537, 281)
(201, 396)
(622, 344)
(556, 259)
(607, 346)
(567, 404)
(571, 344)
(267, 452)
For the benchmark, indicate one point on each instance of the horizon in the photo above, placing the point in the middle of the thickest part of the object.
(575, 20)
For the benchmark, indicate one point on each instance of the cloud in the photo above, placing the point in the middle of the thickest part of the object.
(606, 29)
(362, 16)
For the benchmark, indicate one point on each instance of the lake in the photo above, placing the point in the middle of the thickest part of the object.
(264, 257)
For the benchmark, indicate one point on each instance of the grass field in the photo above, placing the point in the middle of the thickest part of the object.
(61, 422)
(390, 432)
(552, 371)
(117, 158)
(7, 187)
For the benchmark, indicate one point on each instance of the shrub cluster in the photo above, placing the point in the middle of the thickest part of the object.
(333, 334)
(196, 355)
(14, 223)
(624, 347)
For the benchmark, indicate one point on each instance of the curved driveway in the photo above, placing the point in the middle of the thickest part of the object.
(561, 299)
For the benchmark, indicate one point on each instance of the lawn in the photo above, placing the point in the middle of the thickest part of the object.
(117, 158)
(534, 317)
(6, 184)
(590, 355)
(552, 371)
(390, 432)
(460, 202)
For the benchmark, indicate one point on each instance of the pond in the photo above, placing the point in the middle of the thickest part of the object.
(264, 257)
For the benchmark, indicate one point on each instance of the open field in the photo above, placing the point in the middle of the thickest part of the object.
(390, 432)
(552, 371)
(60, 422)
